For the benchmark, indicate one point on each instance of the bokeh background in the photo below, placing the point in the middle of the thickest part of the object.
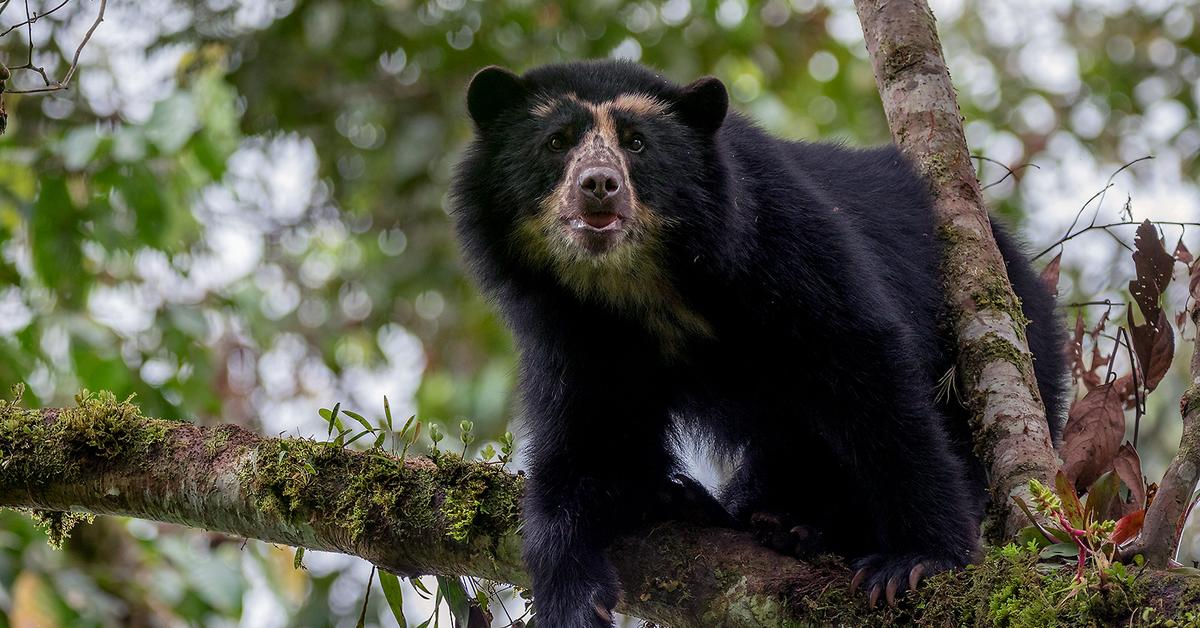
(239, 213)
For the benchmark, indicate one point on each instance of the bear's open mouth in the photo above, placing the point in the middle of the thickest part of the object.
(596, 221)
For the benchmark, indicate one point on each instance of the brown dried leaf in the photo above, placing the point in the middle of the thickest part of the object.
(1075, 348)
(1091, 377)
(1183, 254)
(1051, 272)
(1154, 346)
(1095, 426)
(1194, 281)
(1128, 466)
(1154, 267)
(1125, 390)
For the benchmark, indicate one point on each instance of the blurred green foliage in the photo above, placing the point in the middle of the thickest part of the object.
(240, 211)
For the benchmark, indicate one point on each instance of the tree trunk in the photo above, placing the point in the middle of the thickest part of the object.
(994, 363)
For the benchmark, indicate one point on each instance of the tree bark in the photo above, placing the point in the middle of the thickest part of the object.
(994, 364)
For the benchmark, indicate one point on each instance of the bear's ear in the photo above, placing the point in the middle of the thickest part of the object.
(493, 91)
(703, 104)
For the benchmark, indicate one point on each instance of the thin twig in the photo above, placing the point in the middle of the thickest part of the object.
(30, 19)
(1071, 236)
(1102, 194)
(65, 83)
(1010, 172)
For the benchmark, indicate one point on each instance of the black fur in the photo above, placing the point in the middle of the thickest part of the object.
(815, 267)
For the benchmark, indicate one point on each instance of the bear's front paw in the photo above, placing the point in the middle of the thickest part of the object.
(578, 604)
(604, 599)
(893, 574)
(780, 534)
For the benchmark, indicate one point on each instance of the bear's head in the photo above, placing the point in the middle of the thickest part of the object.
(584, 167)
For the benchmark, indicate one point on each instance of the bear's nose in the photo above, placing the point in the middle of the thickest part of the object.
(600, 181)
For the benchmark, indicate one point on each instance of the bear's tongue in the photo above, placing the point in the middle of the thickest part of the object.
(600, 221)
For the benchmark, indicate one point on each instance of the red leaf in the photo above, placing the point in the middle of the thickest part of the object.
(1154, 268)
(1128, 466)
(1095, 426)
(1128, 527)
(1050, 274)
(1154, 346)
(1183, 254)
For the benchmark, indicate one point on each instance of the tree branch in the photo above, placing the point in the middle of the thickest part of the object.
(409, 516)
(1159, 538)
(446, 516)
(994, 359)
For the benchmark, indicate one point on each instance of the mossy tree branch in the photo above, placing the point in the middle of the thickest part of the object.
(995, 365)
(446, 516)
(410, 516)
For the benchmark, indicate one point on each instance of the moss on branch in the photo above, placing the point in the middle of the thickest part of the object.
(449, 516)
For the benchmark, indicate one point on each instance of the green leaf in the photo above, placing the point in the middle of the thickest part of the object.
(1032, 534)
(360, 418)
(420, 587)
(172, 123)
(298, 561)
(1060, 550)
(358, 436)
(331, 417)
(407, 424)
(394, 595)
(211, 158)
(55, 240)
(144, 194)
(1102, 496)
(456, 597)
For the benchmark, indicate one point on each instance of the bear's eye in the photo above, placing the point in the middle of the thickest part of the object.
(557, 143)
(636, 144)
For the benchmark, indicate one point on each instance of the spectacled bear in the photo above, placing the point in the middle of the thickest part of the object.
(666, 266)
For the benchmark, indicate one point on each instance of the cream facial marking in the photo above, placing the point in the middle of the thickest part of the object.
(643, 105)
(543, 108)
(627, 273)
(640, 104)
